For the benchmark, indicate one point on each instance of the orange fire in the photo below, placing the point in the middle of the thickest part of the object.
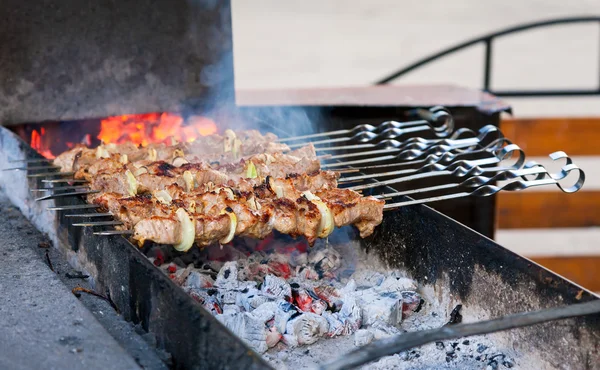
(144, 129)
(37, 144)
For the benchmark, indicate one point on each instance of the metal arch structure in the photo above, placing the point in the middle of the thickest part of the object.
(487, 40)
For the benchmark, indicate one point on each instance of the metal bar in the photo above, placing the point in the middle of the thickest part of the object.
(477, 40)
(59, 181)
(92, 215)
(32, 168)
(73, 207)
(98, 223)
(488, 64)
(407, 341)
(37, 160)
(113, 232)
(50, 174)
(62, 195)
(74, 187)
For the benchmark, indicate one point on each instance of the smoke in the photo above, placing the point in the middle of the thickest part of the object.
(217, 76)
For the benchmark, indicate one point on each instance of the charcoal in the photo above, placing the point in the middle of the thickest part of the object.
(273, 337)
(381, 330)
(508, 363)
(228, 276)
(411, 302)
(265, 311)
(251, 330)
(302, 299)
(466, 342)
(336, 326)
(367, 278)
(481, 348)
(385, 307)
(307, 328)
(396, 284)
(492, 365)
(250, 298)
(325, 260)
(362, 337)
(283, 314)
(231, 309)
(350, 315)
(276, 287)
(198, 280)
(318, 306)
(439, 345)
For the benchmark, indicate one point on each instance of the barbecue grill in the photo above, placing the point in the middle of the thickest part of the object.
(452, 264)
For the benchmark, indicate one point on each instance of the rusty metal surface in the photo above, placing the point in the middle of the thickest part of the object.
(71, 59)
(375, 96)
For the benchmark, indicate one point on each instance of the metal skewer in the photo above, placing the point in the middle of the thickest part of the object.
(460, 169)
(487, 190)
(392, 143)
(73, 207)
(531, 168)
(438, 114)
(113, 232)
(72, 194)
(98, 223)
(36, 160)
(32, 168)
(59, 181)
(368, 136)
(51, 174)
(91, 215)
(407, 341)
(437, 147)
(58, 188)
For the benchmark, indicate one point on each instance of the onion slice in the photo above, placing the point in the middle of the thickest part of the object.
(101, 152)
(251, 172)
(188, 230)
(277, 189)
(327, 223)
(141, 170)
(124, 159)
(236, 150)
(232, 225)
(180, 161)
(228, 140)
(132, 183)
(152, 155)
(163, 196)
(189, 181)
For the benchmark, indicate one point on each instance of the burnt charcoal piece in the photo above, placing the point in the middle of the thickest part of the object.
(454, 344)
(439, 345)
(466, 342)
(508, 363)
(493, 365)
(481, 348)
(455, 316)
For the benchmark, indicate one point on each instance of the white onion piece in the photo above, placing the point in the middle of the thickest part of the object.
(124, 159)
(188, 230)
(232, 227)
(236, 150)
(101, 152)
(163, 196)
(152, 154)
(277, 189)
(228, 139)
(327, 223)
(141, 170)
(132, 183)
(180, 161)
(189, 181)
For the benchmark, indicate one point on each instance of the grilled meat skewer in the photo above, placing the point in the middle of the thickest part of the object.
(229, 147)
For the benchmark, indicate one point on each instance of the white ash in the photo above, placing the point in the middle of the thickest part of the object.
(302, 308)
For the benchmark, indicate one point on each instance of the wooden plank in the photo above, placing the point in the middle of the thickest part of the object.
(582, 270)
(542, 136)
(540, 209)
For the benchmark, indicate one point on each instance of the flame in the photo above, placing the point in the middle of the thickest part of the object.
(144, 129)
(38, 144)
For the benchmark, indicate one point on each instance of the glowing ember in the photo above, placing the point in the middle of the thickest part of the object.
(144, 129)
(38, 144)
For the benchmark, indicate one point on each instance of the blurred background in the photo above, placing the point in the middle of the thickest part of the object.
(292, 45)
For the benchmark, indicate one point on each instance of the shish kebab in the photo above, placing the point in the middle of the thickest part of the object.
(195, 202)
